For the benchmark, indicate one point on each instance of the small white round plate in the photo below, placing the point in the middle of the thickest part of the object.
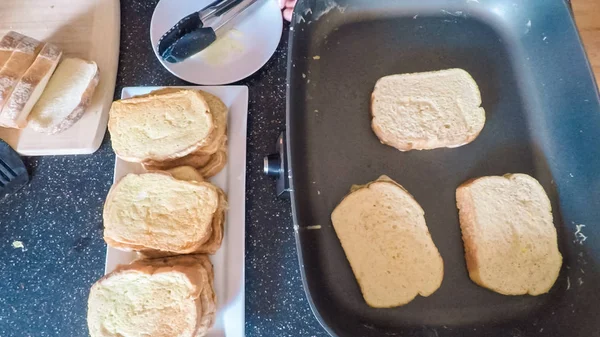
(234, 56)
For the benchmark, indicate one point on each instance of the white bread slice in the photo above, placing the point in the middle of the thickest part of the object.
(213, 244)
(509, 236)
(66, 97)
(29, 89)
(154, 211)
(169, 297)
(16, 65)
(427, 110)
(218, 110)
(8, 44)
(160, 126)
(383, 232)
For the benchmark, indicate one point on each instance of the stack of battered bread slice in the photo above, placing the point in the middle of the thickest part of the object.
(170, 215)
(161, 213)
(162, 297)
(169, 128)
(172, 218)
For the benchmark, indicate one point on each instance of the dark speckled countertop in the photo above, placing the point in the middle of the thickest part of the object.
(44, 285)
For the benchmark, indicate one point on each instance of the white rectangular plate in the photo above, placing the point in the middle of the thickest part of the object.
(229, 260)
(87, 29)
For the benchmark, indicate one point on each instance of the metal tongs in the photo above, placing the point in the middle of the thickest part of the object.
(198, 30)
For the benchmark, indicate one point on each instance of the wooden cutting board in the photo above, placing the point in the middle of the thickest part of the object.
(88, 29)
(587, 16)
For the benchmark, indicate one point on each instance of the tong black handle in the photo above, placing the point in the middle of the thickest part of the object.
(183, 27)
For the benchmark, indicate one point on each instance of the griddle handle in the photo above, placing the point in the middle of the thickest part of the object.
(275, 165)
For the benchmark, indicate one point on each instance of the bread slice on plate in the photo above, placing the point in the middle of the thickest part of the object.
(427, 110)
(383, 232)
(509, 236)
(66, 97)
(154, 212)
(205, 155)
(8, 44)
(160, 127)
(30, 87)
(213, 243)
(16, 65)
(164, 297)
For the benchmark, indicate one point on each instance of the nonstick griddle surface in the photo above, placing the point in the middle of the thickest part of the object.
(543, 119)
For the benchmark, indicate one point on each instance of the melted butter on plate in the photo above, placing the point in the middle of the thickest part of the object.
(225, 49)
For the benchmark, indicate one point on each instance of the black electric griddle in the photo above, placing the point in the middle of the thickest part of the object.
(543, 119)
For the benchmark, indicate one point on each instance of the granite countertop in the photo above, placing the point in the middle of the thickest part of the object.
(44, 285)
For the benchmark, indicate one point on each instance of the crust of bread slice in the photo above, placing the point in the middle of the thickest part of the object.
(509, 235)
(427, 110)
(17, 64)
(8, 44)
(165, 136)
(209, 301)
(220, 113)
(207, 165)
(193, 159)
(155, 297)
(187, 173)
(385, 238)
(154, 211)
(216, 163)
(30, 87)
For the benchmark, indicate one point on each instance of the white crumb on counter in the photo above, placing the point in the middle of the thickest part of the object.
(579, 236)
(313, 227)
(18, 244)
(316, 57)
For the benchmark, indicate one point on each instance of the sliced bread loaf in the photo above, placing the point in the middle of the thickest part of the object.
(66, 97)
(30, 87)
(16, 65)
(427, 110)
(509, 236)
(383, 233)
(168, 297)
(160, 126)
(8, 44)
(156, 212)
